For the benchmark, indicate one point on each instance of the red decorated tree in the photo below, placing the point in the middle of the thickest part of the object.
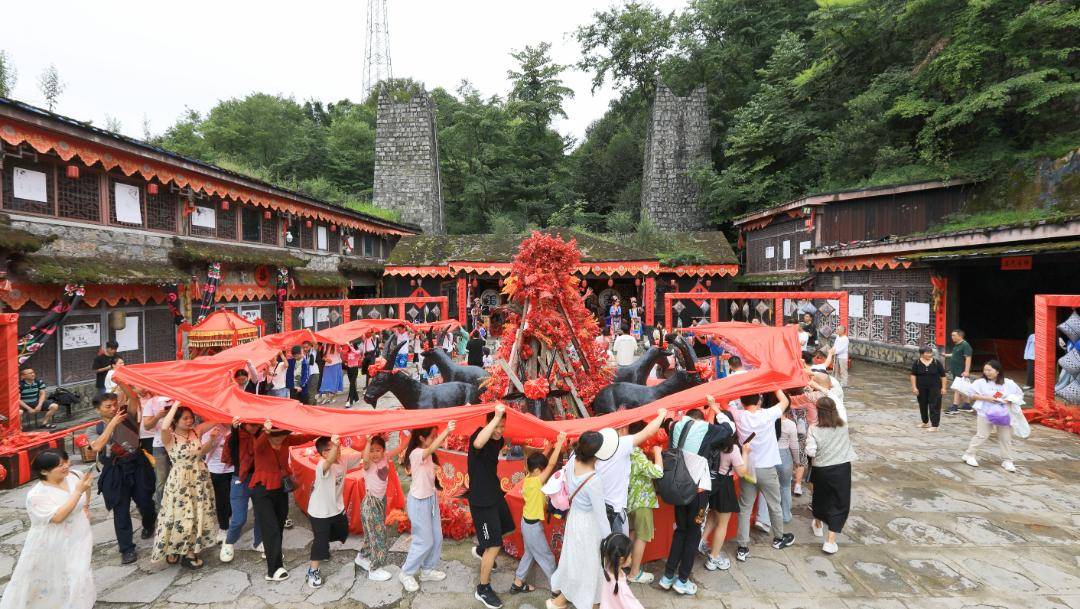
(549, 349)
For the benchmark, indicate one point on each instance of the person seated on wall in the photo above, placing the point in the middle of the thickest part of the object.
(32, 398)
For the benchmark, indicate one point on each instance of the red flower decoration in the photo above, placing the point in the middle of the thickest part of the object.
(377, 366)
(704, 369)
(536, 389)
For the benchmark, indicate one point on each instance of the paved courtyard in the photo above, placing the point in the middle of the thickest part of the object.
(926, 531)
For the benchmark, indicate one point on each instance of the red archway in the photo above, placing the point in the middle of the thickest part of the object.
(1048, 410)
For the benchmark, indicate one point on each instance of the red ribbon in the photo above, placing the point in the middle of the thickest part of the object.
(377, 366)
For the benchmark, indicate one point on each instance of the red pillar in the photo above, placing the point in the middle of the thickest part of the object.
(844, 310)
(1045, 353)
(778, 312)
(650, 301)
(401, 311)
(462, 299)
(9, 367)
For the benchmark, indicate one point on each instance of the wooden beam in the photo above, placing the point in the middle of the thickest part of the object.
(573, 337)
(510, 375)
(565, 367)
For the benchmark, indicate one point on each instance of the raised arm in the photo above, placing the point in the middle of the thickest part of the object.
(69, 506)
(102, 440)
(206, 447)
(553, 457)
(782, 401)
(485, 433)
(335, 453)
(166, 424)
(402, 443)
(654, 426)
(434, 446)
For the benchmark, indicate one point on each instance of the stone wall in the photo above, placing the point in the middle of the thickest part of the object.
(678, 140)
(407, 161)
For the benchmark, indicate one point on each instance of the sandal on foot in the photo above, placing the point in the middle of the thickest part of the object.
(172, 559)
(192, 563)
(524, 587)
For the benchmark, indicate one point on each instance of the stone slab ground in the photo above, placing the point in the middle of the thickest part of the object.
(927, 531)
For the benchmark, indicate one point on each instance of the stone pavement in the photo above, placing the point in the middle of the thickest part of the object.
(926, 531)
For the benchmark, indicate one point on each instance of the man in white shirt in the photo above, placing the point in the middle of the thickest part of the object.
(401, 359)
(613, 466)
(764, 457)
(624, 347)
(840, 355)
(154, 408)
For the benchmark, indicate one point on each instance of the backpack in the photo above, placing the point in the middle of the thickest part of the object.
(677, 486)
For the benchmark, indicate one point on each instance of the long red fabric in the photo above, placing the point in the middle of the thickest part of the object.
(206, 386)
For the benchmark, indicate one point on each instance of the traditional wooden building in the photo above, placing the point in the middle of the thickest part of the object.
(914, 270)
(465, 267)
(133, 223)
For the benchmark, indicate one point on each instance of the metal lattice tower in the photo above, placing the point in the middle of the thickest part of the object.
(377, 46)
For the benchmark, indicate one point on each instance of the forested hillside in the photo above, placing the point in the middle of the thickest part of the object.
(804, 96)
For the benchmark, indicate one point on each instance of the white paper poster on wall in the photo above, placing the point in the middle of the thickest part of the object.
(321, 243)
(803, 247)
(128, 338)
(770, 251)
(883, 308)
(350, 242)
(322, 315)
(835, 304)
(128, 206)
(28, 184)
(307, 317)
(251, 314)
(917, 312)
(205, 217)
(855, 305)
(81, 336)
(787, 249)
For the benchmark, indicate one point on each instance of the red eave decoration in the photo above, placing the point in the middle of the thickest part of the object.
(856, 263)
(701, 270)
(17, 133)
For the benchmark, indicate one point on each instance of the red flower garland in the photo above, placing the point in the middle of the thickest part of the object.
(536, 389)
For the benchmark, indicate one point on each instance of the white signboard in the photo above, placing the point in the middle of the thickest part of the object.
(350, 242)
(81, 336)
(917, 312)
(770, 251)
(29, 184)
(205, 217)
(835, 304)
(322, 315)
(321, 235)
(251, 314)
(883, 308)
(855, 305)
(128, 338)
(307, 317)
(787, 249)
(128, 206)
(803, 247)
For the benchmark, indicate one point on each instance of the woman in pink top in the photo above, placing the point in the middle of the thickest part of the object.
(353, 360)
(425, 548)
(723, 502)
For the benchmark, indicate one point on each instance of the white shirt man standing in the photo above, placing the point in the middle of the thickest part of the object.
(840, 355)
(625, 348)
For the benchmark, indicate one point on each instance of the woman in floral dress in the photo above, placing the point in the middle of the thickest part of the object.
(187, 522)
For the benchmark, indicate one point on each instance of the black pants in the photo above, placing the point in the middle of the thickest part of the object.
(1030, 372)
(312, 390)
(222, 502)
(831, 501)
(271, 509)
(930, 404)
(127, 489)
(351, 373)
(684, 543)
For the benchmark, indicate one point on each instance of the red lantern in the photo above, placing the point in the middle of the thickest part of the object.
(72, 172)
(333, 228)
(152, 189)
(412, 282)
(307, 223)
(224, 205)
(708, 283)
(610, 282)
(267, 215)
(637, 282)
(475, 282)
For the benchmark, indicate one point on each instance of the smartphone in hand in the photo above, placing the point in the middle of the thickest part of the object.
(750, 438)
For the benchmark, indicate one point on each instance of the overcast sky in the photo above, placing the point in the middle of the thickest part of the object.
(131, 60)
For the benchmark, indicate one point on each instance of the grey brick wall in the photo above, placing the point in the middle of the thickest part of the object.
(677, 140)
(407, 162)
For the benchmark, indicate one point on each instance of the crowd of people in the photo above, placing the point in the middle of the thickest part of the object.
(192, 482)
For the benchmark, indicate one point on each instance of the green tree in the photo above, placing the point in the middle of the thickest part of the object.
(626, 45)
(259, 130)
(51, 86)
(8, 75)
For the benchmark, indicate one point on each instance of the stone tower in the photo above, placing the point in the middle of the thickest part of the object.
(678, 139)
(407, 161)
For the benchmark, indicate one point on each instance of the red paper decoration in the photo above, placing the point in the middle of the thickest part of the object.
(637, 282)
(610, 282)
(72, 172)
(151, 189)
(333, 228)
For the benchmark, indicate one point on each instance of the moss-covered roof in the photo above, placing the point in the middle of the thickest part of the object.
(18, 240)
(360, 265)
(319, 279)
(1015, 249)
(188, 250)
(705, 247)
(39, 268)
(773, 279)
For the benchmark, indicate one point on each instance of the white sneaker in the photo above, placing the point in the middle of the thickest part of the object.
(702, 548)
(379, 575)
(720, 562)
(970, 460)
(227, 552)
(818, 529)
(1008, 466)
(222, 535)
(761, 526)
(279, 576)
(408, 582)
(798, 490)
(432, 575)
(363, 562)
(829, 548)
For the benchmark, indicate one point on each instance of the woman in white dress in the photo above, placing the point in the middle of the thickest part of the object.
(53, 571)
(993, 393)
(579, 578)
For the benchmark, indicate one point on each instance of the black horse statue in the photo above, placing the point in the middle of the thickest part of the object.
(450, 370)
(638, 372)
(684, 352)
(415, 395)
(630, 395)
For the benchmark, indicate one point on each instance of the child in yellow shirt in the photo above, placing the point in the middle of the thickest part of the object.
(539, 467)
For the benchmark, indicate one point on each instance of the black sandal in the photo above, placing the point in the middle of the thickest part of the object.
(524, 587)
(172, 559)
(192, 564)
